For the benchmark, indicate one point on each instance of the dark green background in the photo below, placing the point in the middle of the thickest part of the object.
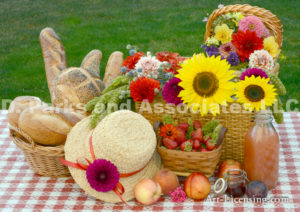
(109, 25)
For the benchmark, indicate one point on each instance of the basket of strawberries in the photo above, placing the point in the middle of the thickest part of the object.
(187, 147)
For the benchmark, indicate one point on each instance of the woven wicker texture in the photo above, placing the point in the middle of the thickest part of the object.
(43, 160)
(269, 19)
(237, 124)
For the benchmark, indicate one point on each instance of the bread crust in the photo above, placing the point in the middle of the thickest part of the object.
(48, 125)
(113, 67)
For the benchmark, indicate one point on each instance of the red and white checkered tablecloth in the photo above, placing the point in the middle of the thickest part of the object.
(22, 190)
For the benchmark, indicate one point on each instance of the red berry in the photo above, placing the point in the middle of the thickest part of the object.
(210, 144)
(181, 136)
(196, 144)
(186, 146)
(197, 124)
(169, 143)
(184, 126)
(198, 134)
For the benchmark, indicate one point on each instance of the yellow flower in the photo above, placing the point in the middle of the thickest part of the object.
(255, 93)
(223, 33)
(271, 46)
(237, 16)
(212, 41)
(206, 83)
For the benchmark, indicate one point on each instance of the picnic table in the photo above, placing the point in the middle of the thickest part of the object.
(23, 190)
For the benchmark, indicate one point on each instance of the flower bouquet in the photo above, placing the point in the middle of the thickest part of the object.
(246, 36)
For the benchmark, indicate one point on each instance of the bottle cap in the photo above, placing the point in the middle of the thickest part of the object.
(220, 186)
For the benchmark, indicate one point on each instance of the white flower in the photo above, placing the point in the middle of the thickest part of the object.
(220, 6)
(149, 66)
(261, 59)
(205, 19)
(212, 41)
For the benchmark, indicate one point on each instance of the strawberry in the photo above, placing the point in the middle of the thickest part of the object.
(181, 136)
(206, 138)
(184, 126)
(197, 124)
(186, 146)
(210, 144)
(196, 144)
(204, 150)
(169, 143)
(198, 134)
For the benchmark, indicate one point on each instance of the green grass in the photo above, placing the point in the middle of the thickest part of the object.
(110, 25)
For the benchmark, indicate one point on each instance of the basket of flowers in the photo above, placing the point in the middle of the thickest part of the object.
(246, 36)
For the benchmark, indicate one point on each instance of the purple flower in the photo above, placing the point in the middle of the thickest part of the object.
(233, 59)
(210, 50)
(171, 91)
(102, 175)
(257, 72)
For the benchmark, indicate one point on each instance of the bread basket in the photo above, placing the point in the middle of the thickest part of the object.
(43, 160)
(269, 19)
(185, 163)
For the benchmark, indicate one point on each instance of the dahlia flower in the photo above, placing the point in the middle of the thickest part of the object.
(223, 33)
(144, 89)
(253, 24)
(149, 66)
(261, 59)
(132, 60)
(246, 43)
(102, 175)
(171, 90)
(271, 46)
(225, 49)
(253, 72)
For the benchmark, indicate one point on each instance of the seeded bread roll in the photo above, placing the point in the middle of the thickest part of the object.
(48, 125)
(113, 67)
(18, 105)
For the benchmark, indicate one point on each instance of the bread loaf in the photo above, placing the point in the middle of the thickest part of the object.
(18, 105)
(113, 67)
(54, 55)
(48, 125)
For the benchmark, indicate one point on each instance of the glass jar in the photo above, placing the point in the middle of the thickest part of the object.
(261, 156)
(233, 183)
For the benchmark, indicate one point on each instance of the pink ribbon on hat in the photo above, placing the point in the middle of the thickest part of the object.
(119, 189)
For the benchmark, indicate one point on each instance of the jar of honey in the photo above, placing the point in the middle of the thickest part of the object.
(233, 184)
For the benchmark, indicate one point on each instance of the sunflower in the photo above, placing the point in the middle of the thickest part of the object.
(255, 93)
(206, 83)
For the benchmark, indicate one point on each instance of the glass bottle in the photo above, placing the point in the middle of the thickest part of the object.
(262, 151)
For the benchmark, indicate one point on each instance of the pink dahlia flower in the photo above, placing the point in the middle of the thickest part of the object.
(252, 23)
(226, 48)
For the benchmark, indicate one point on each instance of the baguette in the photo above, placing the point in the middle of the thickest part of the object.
(113, 67)
(54, 55)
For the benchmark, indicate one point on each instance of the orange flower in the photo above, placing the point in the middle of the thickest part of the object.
(132, 60)
(168, 131)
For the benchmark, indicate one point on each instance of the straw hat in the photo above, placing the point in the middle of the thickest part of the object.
(124, 138)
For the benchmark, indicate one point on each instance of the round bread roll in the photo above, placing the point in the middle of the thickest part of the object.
(18, 105)
(48, 125)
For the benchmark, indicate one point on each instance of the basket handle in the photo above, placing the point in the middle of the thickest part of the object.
(221, 136)
(269, 19)
(26, 136)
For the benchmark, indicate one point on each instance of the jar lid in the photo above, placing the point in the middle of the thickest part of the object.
(220, 186)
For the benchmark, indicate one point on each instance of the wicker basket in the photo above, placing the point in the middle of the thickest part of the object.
(269, 19)
(184, 163)
(237, 124)
(43, 160)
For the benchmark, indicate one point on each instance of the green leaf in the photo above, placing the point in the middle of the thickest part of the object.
(167, 119)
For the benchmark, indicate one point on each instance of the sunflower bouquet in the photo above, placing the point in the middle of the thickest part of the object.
(244, 41)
